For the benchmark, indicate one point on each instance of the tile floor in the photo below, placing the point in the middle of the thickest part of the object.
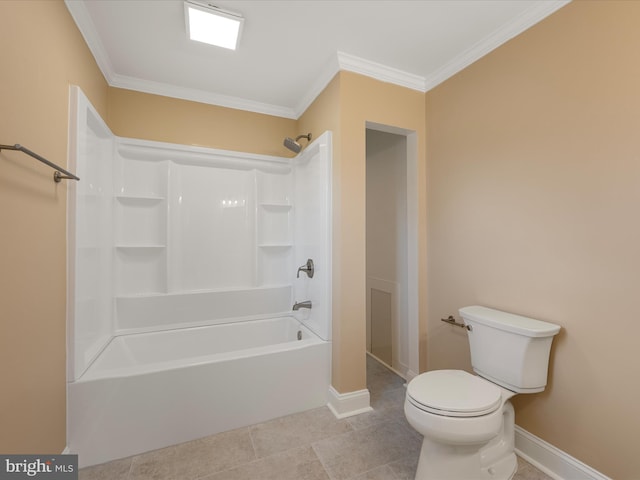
(312, 445)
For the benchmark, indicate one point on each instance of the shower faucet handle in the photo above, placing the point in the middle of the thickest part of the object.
(307, 268)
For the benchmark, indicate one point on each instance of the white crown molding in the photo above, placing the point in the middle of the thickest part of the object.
(527, 19)
(87, 28)
(323, 79)
(380, 72)
(166, 90)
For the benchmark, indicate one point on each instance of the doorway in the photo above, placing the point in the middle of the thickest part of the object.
(387, 252)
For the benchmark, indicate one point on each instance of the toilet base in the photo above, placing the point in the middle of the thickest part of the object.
(447, 462)
(495, 460)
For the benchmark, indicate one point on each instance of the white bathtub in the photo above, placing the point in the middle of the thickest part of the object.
(147, 391)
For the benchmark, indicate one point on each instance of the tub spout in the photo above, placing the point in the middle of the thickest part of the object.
(298, 306)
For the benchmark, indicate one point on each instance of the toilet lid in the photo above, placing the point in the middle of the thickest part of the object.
(454, 393)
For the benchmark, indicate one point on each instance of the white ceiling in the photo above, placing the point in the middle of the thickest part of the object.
(290, 49)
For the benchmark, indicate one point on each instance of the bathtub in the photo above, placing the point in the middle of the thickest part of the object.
(151, 390)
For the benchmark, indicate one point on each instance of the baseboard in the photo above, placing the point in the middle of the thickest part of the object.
(66, 451)
(551, 460)
(403, 368)
(344, 405)
(410, 375)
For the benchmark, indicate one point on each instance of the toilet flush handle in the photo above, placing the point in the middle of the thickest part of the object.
(452, 321)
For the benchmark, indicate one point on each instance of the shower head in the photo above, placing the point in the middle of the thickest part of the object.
(293, 145)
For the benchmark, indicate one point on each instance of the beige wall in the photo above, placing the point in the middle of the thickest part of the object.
(164, 119)
(534, 194)
(41, 53)
(347, 104)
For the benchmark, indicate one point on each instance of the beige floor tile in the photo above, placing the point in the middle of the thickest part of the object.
(386, 406)
(357, 452)
(526, 471)
(380, 378)
(296, 430)
(405, 468)
(115, 470)
(294, 464)
(195, 459)
(380, 473)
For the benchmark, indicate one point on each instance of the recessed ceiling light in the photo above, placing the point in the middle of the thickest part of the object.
(210, 24)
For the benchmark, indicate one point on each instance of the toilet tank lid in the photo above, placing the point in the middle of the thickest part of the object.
(509, 321)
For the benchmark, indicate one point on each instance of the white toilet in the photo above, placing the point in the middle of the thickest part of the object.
(468, 421)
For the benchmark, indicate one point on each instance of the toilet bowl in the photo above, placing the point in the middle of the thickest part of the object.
(467, 420)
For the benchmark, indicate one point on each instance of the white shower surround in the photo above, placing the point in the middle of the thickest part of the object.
(166, 237)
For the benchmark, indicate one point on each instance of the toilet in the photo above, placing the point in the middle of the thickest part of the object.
(467, 420)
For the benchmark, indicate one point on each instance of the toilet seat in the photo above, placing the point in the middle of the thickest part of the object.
(454, 393)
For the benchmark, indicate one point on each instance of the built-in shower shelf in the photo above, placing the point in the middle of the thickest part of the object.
(275, 245)
(139, 247)
(276, 206)
(139, 199)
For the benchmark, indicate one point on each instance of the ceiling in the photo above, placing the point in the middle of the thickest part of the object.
(291, 49)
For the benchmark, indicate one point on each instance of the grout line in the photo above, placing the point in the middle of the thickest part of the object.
(324, 467)
(253, 445)
(130, 467)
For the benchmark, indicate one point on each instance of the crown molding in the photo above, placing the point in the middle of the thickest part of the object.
(380, 72)
(326, 75)
(525, 20)
(201, 96)
(88, 31)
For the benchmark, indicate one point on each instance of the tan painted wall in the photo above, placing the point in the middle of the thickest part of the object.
(359, 99)
(534, 200)
(164, 119)
(41, 53)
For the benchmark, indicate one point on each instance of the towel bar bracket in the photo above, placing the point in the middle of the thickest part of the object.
(452, 321)
(58, 177)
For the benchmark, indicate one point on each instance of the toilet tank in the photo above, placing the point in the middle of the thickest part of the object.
(509, 350)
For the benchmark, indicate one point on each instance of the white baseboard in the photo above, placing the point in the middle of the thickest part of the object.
(551, 460)
(410, 375)
(66, 451)
(344, 405)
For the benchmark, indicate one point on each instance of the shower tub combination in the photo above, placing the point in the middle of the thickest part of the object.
(151, 390)
(182, 278)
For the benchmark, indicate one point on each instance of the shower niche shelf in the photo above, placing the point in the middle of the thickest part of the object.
(276, 206)
(139, 199)
(274, 235)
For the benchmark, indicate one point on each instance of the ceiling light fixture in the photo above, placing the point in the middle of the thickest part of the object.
(210, 24)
